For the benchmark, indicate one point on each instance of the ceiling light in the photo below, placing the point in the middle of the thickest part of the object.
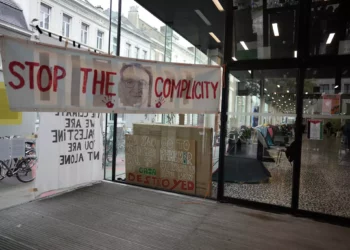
(234, 58)
(287, 91)
(295, 53)
(278, 86)
(268, 95)
(330, 38)
(214, 37)
(265, 89)
(249, 71)
(275, 29)
(218, 5)
(203, 17)
(275, 93)
(244, 45)
(336, 86)
(306, 93)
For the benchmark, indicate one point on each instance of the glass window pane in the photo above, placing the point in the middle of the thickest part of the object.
(325, 150)
(261, 117)
(330, 27)
(264, 33)
(279, 3)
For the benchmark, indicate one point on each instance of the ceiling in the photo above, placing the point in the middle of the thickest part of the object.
(181, 16)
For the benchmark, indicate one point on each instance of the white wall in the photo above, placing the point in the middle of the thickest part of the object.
(134, 41)
(83, 13)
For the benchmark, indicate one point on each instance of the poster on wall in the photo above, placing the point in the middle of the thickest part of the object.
(331, 104)
(48, 78)
(71, 150)
(315, 129)
(161, 162)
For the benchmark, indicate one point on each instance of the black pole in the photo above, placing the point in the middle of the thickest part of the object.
(224, 102)
(110, 27)
(265, 24)
(115, 118)
(303, 50)
(106, 120)
(119, 25)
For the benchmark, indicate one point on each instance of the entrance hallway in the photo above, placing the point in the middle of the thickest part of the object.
(114, 216)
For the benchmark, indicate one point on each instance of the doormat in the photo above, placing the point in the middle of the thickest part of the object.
(243, 170)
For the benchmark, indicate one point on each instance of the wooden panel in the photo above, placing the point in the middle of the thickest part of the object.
(161, 162)
(202, 138)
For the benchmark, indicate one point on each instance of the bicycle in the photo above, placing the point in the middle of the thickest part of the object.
(20, 167)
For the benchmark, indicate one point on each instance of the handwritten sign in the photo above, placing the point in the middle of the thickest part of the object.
(48, 78)
(78, 135)
(161, 162)
(70, 149)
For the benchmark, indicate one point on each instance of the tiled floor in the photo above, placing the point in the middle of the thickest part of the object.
(324, 183)
(13, 192)
(112, 216)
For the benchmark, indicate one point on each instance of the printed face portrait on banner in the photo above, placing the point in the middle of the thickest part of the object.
(135, 88)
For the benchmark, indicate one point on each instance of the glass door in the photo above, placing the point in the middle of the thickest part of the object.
(261, 128)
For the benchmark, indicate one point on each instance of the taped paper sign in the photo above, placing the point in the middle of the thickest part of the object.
(161, 162)
(47, 78)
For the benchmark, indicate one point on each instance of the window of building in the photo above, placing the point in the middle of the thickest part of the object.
(127, 49)
(84, 33)
(66, 23)
(144, 54)
(99, 39)
(114, 45)
(347, 88)
(45, 12)
(324, 88)
(137, 52)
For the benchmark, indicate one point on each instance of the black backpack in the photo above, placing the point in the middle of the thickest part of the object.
(290, 152)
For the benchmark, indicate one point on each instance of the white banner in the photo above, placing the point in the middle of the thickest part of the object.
(70, 150)
(47, 78)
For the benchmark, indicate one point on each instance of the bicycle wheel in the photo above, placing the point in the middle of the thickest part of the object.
(25, 170)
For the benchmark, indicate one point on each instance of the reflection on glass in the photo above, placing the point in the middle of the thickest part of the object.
(258, 161)
(281, 3)
(264, 33)
(330, 27)
(144, 36)
(325, 157)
